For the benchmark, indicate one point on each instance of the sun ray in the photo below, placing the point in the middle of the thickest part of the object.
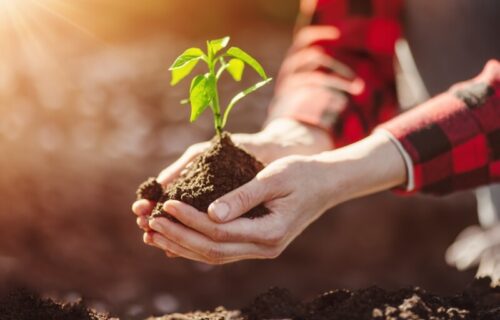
(56, 14)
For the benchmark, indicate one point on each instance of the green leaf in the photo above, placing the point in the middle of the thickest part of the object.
(217, 45)
(184, 64)
(240, 96)
(201, 94)
(187, 56)
(245, 57)
(235, 68)
(181, 73)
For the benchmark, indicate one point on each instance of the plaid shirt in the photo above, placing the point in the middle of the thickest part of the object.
(339, 76)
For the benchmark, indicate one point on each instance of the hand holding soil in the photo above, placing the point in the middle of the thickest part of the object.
(296, 189)
(280, 138)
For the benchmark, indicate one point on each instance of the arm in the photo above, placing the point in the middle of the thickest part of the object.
(299, 189)
(453, 140)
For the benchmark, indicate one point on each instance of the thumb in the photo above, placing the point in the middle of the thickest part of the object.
(239, 201)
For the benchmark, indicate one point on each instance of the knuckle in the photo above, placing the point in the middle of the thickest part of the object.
(276, 236)
(220, 234)
(273, 253)
(243, 199)
(214, 254)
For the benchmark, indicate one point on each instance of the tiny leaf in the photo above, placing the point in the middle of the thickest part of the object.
(240, 96)
(200, 95)
(184, 64)
(235, 68)
(245, 57)
(217, 45)
(187, 56)
(180, 73)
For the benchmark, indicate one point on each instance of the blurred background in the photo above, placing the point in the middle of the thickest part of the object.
(86, 114)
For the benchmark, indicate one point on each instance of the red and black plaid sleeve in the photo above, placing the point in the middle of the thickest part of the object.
(454, 138)
(355, 91)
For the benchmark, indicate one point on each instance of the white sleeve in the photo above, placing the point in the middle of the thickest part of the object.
(410, 183)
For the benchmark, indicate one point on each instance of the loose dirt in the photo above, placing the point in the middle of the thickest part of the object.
(477, 302)
(220, 169)
(25, 305)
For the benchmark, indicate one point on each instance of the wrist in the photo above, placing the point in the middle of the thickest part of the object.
(298, 133)
(371, 165)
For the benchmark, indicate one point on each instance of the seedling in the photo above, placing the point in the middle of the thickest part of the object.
(204, 91)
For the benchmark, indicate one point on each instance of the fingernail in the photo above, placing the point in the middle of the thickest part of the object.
(154, 224)
(147, 237)
(169, 208)
(220, 209)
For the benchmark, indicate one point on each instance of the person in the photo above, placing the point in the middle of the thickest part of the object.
(334, 132)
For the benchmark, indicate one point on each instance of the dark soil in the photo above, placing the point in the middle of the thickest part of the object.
(478, 302)
(150, 190)
(24, 305)
(219, 170)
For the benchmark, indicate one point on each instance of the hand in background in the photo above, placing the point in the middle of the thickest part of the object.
(297, 190)
(477, 246)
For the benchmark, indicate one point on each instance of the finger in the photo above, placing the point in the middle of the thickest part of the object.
(311, 34)
(143, 207)
(266, 230)
(239, 201)
(142, 222)
(174, 170)
(213, 252)
(319, 79)
(172, 249)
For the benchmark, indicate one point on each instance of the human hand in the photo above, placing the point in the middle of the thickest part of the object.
(477, 246)
(296, 190)
(281, 137)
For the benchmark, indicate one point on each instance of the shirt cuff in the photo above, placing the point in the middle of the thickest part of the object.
(410, 177)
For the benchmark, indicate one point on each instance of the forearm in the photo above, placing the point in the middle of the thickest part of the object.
(371, 165)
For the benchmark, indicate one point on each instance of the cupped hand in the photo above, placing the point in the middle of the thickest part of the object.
(292, 189)
(296, 189)
(281, 137)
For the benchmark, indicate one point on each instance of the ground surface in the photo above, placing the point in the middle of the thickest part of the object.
(477, 302)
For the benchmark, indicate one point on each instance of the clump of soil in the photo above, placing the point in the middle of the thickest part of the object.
(478, 302)
(24, 305)
(150, 190)
(219, 170)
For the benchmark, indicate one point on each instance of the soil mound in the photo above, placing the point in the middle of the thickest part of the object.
(219, 170)
(25, 305)
(478, 302)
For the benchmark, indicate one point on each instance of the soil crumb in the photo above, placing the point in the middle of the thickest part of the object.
(150, 190)
(25, 305)
(219, 170)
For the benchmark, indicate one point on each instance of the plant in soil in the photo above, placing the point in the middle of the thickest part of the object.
(223, 166)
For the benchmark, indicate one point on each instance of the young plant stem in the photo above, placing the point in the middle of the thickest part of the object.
(215, 103)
